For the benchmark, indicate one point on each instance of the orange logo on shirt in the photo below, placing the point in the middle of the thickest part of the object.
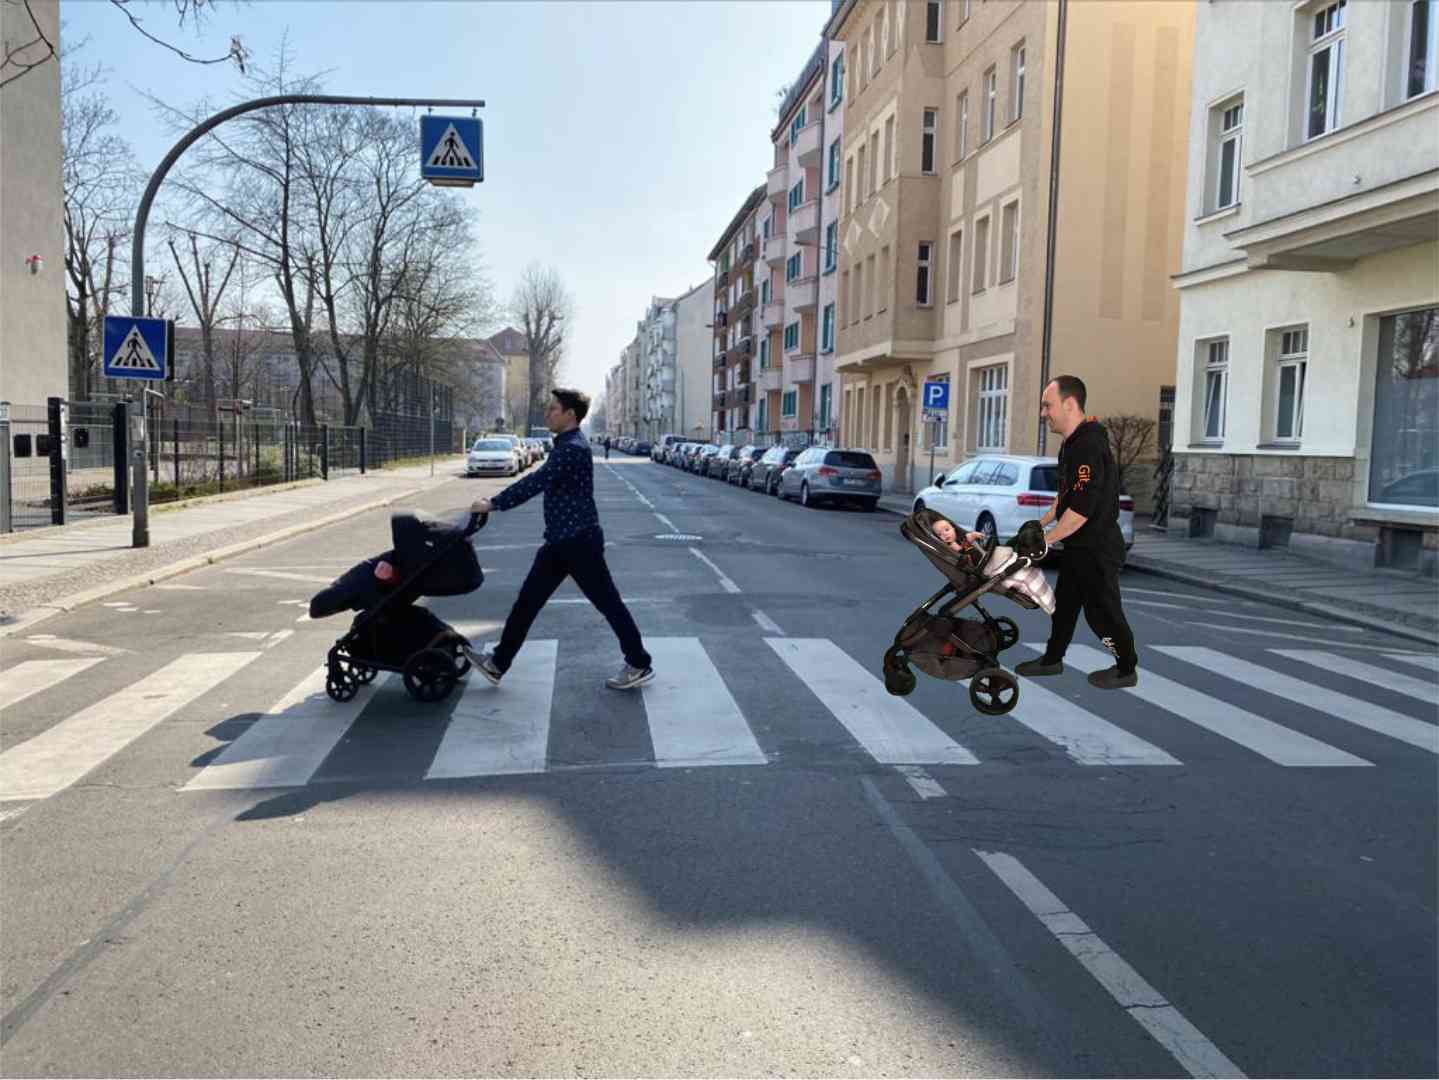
(1082, 478)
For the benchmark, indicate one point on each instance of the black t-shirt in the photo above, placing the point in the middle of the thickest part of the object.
(1089, 485)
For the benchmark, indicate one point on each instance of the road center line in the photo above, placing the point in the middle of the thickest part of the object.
(728, 585)
(927, 786)
(766, 624)
(666, 522)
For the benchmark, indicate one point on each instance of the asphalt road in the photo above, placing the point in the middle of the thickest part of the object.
(761, 864)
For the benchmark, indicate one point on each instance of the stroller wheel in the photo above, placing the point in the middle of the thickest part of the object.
(1008, 632)
(993, 691)
(341, 688)
(462, 662)
(430, 675)
(898, 680)
(364, 675)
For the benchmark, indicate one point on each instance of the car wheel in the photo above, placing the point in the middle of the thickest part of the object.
(804, 496)
(869, 505)
(986, 525)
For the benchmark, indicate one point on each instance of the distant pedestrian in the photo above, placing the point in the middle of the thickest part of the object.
(574, 547)
(1087, 512)
(607, 448)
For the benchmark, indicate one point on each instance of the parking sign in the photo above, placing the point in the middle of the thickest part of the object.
(935, 400)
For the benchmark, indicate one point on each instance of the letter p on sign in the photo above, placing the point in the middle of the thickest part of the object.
(936, 395)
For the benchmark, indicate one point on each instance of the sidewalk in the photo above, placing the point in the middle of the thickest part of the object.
(46, 571)
(1400, 603)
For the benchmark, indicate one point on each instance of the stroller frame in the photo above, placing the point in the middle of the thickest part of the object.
(430, 674)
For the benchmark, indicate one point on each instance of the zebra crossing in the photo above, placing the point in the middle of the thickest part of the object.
(695, 720)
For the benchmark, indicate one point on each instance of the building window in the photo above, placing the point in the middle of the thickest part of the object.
(964, 11)
(933, 20)
(761, 422)
(1293, 360)
(831, 246)
(1326, 71)
(861, 294)
(1216, 388)
(888, 414)
(796, 194)
(826, 403)
(1403, 469)
(1227, 151)
(861, 194)
(874, 162)
(928, 134)
(1423, 44)
(922, 277)
(991, 408)
(794, 266)
(961, 137)
(1016, 82)
(849, 192)
(881, 282)
(871, 282)
(844, 295)
(980, 262)
(833, 181)
(1009, 242)
(884, 32)
(874, 392)
(791, 337)
(956, 253)
(796, 124)
(765, 290)
(764, 353)
(873, 49)
(789, 403)
(826, 338)
(836, 81)
(991, 99)
(888, 146)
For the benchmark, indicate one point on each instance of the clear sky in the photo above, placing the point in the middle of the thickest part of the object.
(620, 137)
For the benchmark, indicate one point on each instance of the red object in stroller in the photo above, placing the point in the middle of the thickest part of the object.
(940, 642)
(432, 557)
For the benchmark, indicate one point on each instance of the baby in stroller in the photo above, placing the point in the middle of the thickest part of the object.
(430, 557)
(944, 644)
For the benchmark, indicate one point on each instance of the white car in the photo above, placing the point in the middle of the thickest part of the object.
(492, 457)
(996, 494)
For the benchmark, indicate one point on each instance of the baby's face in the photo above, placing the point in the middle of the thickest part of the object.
(945, 531)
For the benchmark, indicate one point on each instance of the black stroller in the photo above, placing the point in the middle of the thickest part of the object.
(947, 646)
(431, 557)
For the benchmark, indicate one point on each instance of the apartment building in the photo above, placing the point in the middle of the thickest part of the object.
(656, 336)
(736, 260)
(799, 237)
(510, 344)
(994, 233)
(1307, 386)
(694, 351)
(614, 398)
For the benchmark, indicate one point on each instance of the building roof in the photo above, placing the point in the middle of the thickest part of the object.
(755, 198)
(509, 341)
(813, 69)
(839, 12)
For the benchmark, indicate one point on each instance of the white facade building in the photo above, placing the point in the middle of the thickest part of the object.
(694, 344)
(656, 337)
(1307, 385)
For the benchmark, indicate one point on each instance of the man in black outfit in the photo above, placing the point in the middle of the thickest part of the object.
(1087, 512)
(574, 547)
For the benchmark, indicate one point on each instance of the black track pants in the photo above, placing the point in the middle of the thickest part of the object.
(1090, 585)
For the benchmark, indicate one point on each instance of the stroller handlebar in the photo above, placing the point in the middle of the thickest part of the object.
(476, 523)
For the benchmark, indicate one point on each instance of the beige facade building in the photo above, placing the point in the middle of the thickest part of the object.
(32, 259)
(694, 353)
(970, 254)
(736, 292)
(510, 344)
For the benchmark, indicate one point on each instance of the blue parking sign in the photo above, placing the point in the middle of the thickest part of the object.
(936, 396)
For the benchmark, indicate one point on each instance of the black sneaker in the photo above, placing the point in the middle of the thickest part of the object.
(1113, 678)
(1043, 666)
(630, 677)
(484, 663)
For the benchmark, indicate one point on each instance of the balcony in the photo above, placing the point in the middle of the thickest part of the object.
(719, 402)
(803, 294)
(772, 315)
(799, 368)
(721, 322)
(777, 184)
(1358, 191)
(806, 146)
(774, 251)
(770, 378)
(804, 221)
(745, 304)
(721, 358)
(722, 280)
(747, 255)
(743, 347)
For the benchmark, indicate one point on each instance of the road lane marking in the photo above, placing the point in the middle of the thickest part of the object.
(1251, 618)
(283, 575)
(1397, 681)
(1145, 1005)
(1161, 592)
(505, 729)
(1364, 714)
(693, 718)
(33, 676)
(1423, 660)
(1289, 637)
(766, 624)
(50, 641)
(728, 585)
(890, 729)
(925, 785)
(667, 523)
(1279, 744)
(61, 755)
(285, 746)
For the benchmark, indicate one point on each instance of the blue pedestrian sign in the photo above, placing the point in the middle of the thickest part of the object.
(138, 348)
(936, 400)
(452, 150)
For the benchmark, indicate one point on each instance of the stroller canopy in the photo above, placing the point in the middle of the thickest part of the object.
(431, 556)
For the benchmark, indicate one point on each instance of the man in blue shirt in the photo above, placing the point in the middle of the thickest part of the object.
(574, 547)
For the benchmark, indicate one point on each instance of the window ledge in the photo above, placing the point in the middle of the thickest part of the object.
(1215, 445)
(1218, 215)
(1008, 281)
(1396, 514)
(1288, 444)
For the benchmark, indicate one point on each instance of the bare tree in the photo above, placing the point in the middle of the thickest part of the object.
(541, 306)
(1130, 438)
(205, 290)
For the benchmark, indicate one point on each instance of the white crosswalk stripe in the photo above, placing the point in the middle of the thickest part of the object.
(1364, 714)
(33, 676)
(1279, 744)
(693, 718)
(61, 755)
(1397, 681)
(1429, 661)
(893, 731)
(505, 729)
(285, 746)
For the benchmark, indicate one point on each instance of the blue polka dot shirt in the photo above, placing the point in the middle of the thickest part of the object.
(567, 479)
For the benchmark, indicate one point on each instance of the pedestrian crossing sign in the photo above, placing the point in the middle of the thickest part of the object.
(137, 348)
(452, 150)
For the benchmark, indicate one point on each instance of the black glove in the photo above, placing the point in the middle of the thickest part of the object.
(1030, 542)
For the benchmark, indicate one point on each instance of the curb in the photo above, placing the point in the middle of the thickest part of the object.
(150, 577)
(1288, 600)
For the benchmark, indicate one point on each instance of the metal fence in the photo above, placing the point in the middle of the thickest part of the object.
(65, 461)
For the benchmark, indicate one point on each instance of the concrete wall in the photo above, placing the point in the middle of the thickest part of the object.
(694, 342)
(32, 306)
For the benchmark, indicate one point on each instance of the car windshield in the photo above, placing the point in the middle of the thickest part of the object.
(849, 459)
(1044, 478)
(491, 444)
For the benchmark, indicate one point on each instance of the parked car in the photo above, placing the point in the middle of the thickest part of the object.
(742, 462)
(822, 475)
(717, 467)
(699, 462)
(642, 447)
(533, 449)
(765, 473)
(492, 455)
(664, 444)
(997, 494)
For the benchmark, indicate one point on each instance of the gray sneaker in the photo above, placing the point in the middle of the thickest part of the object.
(630, 677)
(484, 663)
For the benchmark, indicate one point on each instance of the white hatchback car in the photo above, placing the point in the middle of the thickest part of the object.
(492, 456)
(996, 494)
